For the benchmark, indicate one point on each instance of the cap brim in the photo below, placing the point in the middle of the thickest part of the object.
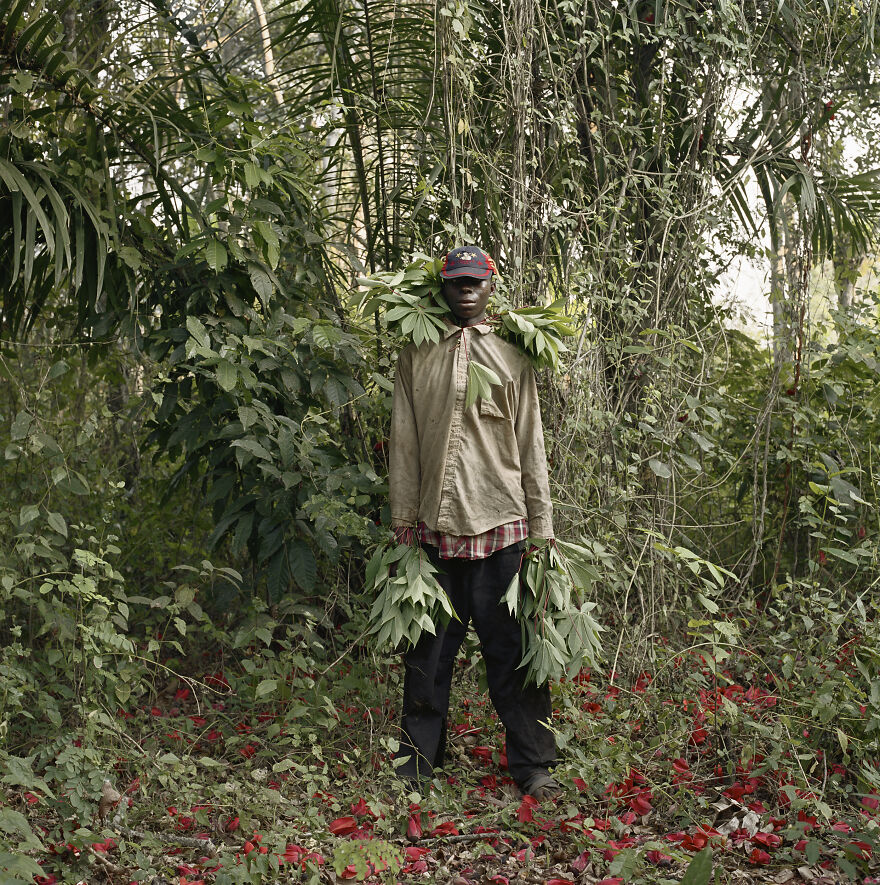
(477, 274)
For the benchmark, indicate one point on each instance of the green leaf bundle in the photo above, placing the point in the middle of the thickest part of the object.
(538, 331)
(547, 596)
(409, 599)
(410, 302)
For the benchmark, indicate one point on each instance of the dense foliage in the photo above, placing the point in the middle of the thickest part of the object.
(196, 392)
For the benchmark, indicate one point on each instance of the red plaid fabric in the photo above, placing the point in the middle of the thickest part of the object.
(475, 546)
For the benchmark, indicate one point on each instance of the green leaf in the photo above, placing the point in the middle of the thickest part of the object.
(848, 869)
(261, 281)
(267, 687)
(273, 246)
(661, 469)
(198, 332)
(58, 369)
(215, 255)
(708, 604)
(303, 567)
(19, 869)
(226, 374)
(15, 823)
(511, 597)
(131, 257)
(699, 870)
(624, 864)
(16, 182)
(21, 426)
(479, 384)
(56, 521)
(27, 514)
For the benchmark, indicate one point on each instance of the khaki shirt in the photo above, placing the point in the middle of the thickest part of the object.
(465, 471)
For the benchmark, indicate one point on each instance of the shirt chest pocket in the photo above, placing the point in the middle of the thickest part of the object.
(500, 405)
(489, 409)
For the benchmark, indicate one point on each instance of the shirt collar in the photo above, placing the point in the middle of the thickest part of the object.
(482, 327)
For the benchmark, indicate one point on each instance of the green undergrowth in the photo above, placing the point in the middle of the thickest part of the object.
(268, 757)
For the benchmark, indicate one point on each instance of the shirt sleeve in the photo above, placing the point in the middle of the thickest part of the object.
(404, 472)
(533, 460)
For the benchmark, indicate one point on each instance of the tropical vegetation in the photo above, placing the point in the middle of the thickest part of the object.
(194, 411)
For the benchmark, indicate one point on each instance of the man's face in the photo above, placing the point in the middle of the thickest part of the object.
(467, 298)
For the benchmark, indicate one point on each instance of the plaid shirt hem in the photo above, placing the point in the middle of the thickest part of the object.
(474, 546)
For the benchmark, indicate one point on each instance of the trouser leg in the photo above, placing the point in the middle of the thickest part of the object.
(521, 707)
(427, 682)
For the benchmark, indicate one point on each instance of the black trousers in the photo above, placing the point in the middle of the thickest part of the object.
(476, 589)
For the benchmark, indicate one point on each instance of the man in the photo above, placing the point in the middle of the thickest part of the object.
(470, 485)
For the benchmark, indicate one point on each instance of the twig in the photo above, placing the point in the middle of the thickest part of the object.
(110, 867)
(207, 844)
(462, 837)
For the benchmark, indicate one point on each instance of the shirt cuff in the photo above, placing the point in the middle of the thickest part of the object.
(541, 527)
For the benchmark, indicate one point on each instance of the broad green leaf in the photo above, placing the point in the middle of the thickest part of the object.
(708, 604)
(252, 446)
(304, 568)
(699, 870)
(57, 522)
(226, 374)
(19, 869)
(267, 687)
(661, 469)
(15, 824)
(131, 257)
(27, 514)
(21, 425)
(215, 255)
(198, 332)
(261, 281)
(479, 384)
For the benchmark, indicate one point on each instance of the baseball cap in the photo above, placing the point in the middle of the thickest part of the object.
(467, 261)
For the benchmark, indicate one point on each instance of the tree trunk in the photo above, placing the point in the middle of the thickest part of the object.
(268, 55)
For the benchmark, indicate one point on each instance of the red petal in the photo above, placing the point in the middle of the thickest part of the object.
(640, 805)
(759, 857)
(342, 826)
(524, 815)
(414, 827)
(360, 808)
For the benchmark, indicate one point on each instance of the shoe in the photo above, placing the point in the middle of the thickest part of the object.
(541, 786)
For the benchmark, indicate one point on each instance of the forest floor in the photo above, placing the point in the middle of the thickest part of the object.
(220, 786)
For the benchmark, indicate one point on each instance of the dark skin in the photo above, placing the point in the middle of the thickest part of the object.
(467, 298)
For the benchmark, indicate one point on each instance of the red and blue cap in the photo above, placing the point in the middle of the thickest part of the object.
(468, 261)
